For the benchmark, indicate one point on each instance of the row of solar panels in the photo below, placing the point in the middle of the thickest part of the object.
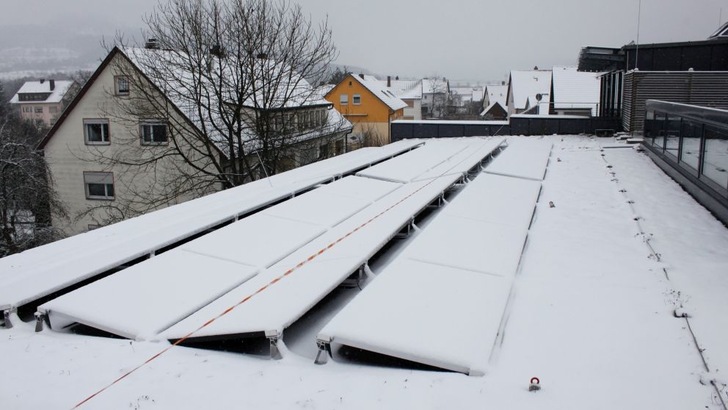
(262, 273)
(442, 301)
(173, 294)
(39, 272)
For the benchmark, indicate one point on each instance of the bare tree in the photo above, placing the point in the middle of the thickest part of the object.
(26, 191)
(231, 81)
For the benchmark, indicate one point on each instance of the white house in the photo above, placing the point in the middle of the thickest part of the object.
(409, 91)
(529, 92)
(575, 92)
(43, 100)
(435, 96)
(495, 102)
(110, 167)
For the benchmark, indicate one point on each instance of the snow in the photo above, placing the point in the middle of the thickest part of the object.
(576, 89)
(457, 268)
(41, 271)
(380, 91)
(465, 160)
(522, 159)
(528, 84)
(146, 298)
(38, 87)
(436, 153)
(354, 241)
(590, 314)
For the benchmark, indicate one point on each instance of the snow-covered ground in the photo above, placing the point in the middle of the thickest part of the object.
(592, 315)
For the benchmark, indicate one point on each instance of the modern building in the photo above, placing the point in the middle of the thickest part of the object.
(367, 103)
(690, 143)
(43, 101)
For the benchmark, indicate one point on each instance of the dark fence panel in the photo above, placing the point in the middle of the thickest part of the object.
(518, 126)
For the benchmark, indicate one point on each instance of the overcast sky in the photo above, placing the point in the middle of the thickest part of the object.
(460, 39)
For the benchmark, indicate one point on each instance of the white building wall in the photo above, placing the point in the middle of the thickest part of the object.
(69, 157)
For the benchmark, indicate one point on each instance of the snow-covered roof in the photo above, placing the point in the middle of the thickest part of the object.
(43, 87)
(293, 94)
(435, 86)
(575, 89)
(405, 89)
(528, 84)
(380, 91)
(497, 94)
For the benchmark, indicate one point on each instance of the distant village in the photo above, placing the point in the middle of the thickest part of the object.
(82, 140)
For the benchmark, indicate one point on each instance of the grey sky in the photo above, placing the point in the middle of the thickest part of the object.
(460, 39)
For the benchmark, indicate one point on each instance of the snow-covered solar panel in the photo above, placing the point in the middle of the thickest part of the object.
(522, 159)
(512, 199)
(254, 243)
(450, 286)
(148, 297)
(411, 165)
(36, 273)
(435, 315)
(356, 240)
(461, 163)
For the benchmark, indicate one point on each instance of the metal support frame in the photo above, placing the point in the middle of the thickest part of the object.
(407, 229)
(39, 319)
(273, 338)
(6, 318)
(324, 352)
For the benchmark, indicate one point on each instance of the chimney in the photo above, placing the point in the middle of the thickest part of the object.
(389, 81)
(42, 80)
(53, 84)
(361, 75)
(152, 44)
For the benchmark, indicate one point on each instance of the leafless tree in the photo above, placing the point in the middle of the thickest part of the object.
(26, 191)
(231, 79)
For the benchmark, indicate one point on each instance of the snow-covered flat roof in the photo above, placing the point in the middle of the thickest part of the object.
(33, 274)
(455, 277)
(591, 307)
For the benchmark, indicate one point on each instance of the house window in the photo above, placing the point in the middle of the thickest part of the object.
(344, 99)
(96, 131)
(356, 99)
(99, 185)
(39, 110)
(122, 85)
(53, 110)
(153, 133)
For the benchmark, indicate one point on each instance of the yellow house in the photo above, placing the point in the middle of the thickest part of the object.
(369, 106)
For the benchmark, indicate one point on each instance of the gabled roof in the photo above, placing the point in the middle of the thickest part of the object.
(494, 106)
(181, 104)
(575, 89)
(405, 89)
(528, 84)
(379, 90)
(43, 87)
(497, 94)
(435, 86)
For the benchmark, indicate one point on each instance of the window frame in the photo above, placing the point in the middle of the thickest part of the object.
(97, 121)
(356, 99)
(344, 99)
(98, 178)
(152, 124)
(118, 81)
